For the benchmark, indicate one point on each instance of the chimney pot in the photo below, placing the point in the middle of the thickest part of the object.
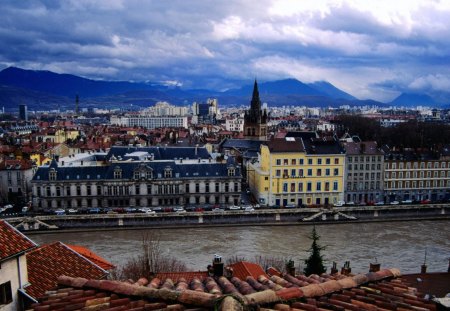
(423, 269)
(374, 267)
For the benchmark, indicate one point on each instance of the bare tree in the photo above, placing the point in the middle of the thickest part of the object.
(150, 261)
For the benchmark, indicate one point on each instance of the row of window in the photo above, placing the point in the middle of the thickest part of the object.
(319, 161)
(420, 184)
(361, 167)
(407, 165)
(298, 187)
(363, 186)
(415, 174)
(366, 158)
(364, 176)
(127, 190)
(309, 172)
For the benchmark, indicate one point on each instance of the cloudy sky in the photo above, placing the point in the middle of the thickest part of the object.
(371, 49)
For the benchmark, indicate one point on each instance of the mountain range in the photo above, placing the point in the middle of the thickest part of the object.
(46, 90)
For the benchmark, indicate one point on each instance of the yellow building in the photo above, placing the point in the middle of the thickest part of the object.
(296, 171)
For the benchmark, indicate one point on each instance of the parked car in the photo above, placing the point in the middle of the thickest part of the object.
(425, 201)
(180, 211)
(59, 211)
(145, 209)
(72, 211)
(150, 212)
(25, 209)
(339, 204)
(379, 203)
(249, 209)
(130, 210)
(218, 210)
(351, 203)
(394, 203)
(234, 207)
(94, 210)
(157, 208)
(291, 206)
(407, 202)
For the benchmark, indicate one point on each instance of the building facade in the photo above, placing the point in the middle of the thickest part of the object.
(416, 177)
(138, 177)
(150, 122)
(296, 171)
(364, 172)
(15, 181)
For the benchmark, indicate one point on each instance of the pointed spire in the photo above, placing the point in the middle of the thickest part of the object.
(256, 102)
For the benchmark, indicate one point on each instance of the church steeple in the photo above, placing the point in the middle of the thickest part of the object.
(256, 102)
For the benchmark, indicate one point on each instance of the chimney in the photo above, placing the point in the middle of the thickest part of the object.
(362, 147)
(334, 269)
(81, 163)
(346, 270)
(217, 266)
(423, 269)
(290, 268)
(374, 267)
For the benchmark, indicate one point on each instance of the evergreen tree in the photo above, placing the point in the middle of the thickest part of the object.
(314, 264)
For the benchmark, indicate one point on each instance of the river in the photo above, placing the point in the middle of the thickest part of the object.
(399, 245)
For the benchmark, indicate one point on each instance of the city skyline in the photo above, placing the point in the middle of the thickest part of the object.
(370, 50)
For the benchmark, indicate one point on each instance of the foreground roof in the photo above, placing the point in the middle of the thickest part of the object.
(12, 242)
(47, 262)
(373, 291)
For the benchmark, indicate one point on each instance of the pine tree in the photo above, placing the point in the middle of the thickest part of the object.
(314, 264)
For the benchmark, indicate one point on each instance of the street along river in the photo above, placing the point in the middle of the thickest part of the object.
(393, 244)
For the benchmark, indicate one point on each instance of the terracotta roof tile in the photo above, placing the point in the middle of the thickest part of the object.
(99, 261)
(12, 242)
(243, 269)
(187, 276)
(387, 291)
(46, 263)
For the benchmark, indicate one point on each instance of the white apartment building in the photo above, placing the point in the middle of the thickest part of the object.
(150, 122)
(235, 124)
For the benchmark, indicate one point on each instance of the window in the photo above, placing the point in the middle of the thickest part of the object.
(168, 172)
(327, 172)
(207, 187)
(309, 172)
(300, 161)
(197, 187)
(300, 187)
(293, 172)
(300, 172)
(52, 174)
(117, 173)
(136, 175)
(310, 161)
(335, 186)
(285, 187)
(328, 160)
(336, 160)
(137, 189)
(285, 173)
(309, 187)
(278, 173)
(327, 186)
(78, 190)
(318, 186)
(99, 190)
(278, 161)
(285, 161)
(349, 167)
(319, 172)
(293, 162)
(58, 191)
(88, 190)
(5, 293)
(149, 189)
(319, 161)
(336, 171)
(292, 187)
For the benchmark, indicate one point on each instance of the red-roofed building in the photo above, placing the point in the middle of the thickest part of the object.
(243, 269)
(188, 276)
(48, 262)
(13, 265)
(99, 261)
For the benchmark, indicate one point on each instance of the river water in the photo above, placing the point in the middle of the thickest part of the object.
(399, 245)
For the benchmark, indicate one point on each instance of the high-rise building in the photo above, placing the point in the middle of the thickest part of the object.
(23, 112)
(255, 119)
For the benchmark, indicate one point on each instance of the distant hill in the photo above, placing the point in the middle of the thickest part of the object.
(413, 100)
(45, 90)
(66, 84)
(330, 90)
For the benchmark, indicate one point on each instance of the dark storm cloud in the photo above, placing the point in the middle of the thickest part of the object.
(370, 49)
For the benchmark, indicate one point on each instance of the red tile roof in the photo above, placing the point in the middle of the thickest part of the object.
(46, 263)
(12, 242)
(188, 276)
(383, 290)
(243, 269)
(99, 261)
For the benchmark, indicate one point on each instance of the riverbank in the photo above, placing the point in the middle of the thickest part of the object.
(263, 217)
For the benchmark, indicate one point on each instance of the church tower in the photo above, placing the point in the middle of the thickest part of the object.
(255, 120)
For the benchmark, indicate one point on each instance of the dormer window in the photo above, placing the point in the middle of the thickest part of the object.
(52, 174)
(149, 174)
(167, 172)
(136, 175)
(231, 171)
(117, 173)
